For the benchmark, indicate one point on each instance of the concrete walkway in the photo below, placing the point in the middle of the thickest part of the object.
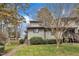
(12, 52)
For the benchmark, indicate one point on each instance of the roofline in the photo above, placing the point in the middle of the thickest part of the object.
(34, 27)
(48, 28)
(37, 28)
(35, 21)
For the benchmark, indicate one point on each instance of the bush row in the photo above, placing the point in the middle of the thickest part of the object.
(2, 47)
(39, 40)
(21, 41)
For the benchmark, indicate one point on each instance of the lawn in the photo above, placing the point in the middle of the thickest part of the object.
(10, 47)
(49, 50)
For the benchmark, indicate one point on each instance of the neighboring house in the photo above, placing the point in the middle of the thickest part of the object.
(36, 30)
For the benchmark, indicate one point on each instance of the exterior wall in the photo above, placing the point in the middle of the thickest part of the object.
(40, 34)
(32, 34)
(49, 35)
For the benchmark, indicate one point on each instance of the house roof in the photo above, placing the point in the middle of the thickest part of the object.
(38, 28)
(49, 27)
(35, 21)
(35, 27)
(54, 24)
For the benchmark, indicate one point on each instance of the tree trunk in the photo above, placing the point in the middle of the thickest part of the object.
(16, 33)
(58, 36)
(58, 43)
(44, 34)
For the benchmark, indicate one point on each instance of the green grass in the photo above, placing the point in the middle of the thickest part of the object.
(10, 47)
(49, 50)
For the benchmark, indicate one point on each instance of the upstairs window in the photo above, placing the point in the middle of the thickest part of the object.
(52, 33)
(35, 30)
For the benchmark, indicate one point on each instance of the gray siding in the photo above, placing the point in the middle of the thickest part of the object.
(32, 34)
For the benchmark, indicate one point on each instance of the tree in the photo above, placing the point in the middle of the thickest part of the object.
(61, 24)
(9, 14)
(58, 25)
(45, 16)
(75, 12)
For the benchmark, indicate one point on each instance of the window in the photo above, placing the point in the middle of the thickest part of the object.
(52, 33)
(35, 30)
(78, 31)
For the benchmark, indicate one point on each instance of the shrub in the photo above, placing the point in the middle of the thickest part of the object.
(14, 42)
(21, 41)
(2, 47)
(51, 41)
(36, 40)
(39, 40)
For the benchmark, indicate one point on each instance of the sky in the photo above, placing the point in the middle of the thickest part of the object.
(33, 9)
